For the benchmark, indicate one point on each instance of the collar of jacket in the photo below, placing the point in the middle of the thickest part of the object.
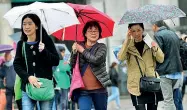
(83, 44)
(132, 49)
(161, 28)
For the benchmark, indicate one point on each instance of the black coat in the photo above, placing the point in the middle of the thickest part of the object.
(183, 54)
(96, 60)
(114, 76)
(169, 43)
(39, 63)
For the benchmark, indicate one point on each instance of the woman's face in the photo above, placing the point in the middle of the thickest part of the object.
(63, 53)
(29, 27)
(137, 32)
(92, 34)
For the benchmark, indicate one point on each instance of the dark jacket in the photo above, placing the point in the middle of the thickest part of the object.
(96, 60)
(183, 54)
(113, 77)
(169, 43)
(39, 63)
(10, 74)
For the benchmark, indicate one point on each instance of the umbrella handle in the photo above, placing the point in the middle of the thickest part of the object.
(41, 32)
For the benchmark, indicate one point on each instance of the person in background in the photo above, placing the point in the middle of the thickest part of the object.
(41, 57)
(10, 76)
(135, 50)
(2, 86)
(62, 78)
(169, 70)
(115, 95)
(183, 53)
(92, 64)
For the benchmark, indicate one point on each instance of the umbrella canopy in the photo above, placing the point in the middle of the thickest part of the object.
(151, 13)
(67, 52)
(16, 36)
(5, 48)
(53, 16)
(86, 13)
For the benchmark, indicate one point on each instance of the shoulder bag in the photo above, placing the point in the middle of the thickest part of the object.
(148, 84)
(45, 92)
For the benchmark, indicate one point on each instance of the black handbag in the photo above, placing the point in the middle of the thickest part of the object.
(149, 84)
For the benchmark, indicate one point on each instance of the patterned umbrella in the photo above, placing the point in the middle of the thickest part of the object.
(5, 48)
(151, 13)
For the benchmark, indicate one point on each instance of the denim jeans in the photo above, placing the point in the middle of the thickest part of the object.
(177, 96)
(167, 86)
(29, 104)
(93, 97)
(115, 95)
(61, 99)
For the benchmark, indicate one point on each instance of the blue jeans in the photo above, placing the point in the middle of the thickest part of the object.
(96, 97)
(61, 99)
(115, 95)
(177, 96)
(29, 104)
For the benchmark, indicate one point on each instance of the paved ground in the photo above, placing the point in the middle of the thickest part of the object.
(126, 104)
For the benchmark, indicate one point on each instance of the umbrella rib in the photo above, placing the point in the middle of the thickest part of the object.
(97, 21)
(45, 19)
(20, 16)
(82, 19)
(60, 10)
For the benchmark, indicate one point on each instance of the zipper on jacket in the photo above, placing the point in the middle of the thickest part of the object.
(95, 75)
(137, 100)
(155, 99)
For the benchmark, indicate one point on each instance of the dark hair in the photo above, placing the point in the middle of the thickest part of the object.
(113, 64)
(61, 48)
(91, 24)
(140, 24)
(161, 23)
(37, 22)
(185, 38)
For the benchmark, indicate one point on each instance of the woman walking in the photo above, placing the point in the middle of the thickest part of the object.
(41, 56)
(135, 51)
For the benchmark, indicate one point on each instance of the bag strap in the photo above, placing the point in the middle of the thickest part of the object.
(139, 66)
(141, 69)
(24, 54)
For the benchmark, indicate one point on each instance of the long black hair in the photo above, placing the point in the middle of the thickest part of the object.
(132, 24)
(91, 24)
(37, 22)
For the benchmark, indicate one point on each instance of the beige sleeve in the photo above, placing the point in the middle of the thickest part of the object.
(122, 55)
(159, 55)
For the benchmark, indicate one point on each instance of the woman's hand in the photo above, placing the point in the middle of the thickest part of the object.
(80, 48)
(154, 46)
(129, 34)
(77, 47)
(34, 81)
(74, 47)
(41, 46)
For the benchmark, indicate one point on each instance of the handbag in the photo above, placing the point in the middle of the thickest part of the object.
(148, 84)
(76, 82)
(45, 92)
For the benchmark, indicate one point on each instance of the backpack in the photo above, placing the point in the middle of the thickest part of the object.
(183, 54)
